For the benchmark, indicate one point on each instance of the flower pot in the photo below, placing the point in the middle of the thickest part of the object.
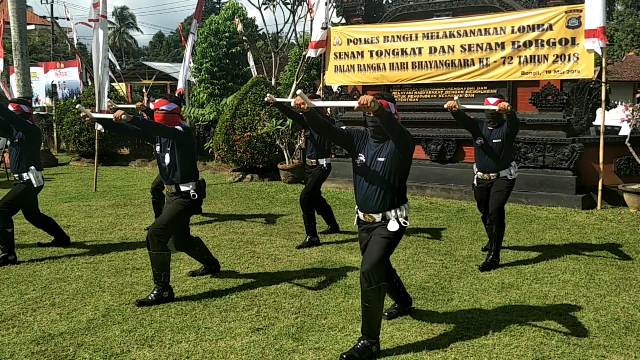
(631, 193)
(291, 173)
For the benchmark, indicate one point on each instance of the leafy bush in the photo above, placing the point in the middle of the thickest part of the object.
(239, 138)
(220, 59)
(79, 135)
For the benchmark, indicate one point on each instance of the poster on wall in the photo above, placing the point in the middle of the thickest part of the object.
(65, 75)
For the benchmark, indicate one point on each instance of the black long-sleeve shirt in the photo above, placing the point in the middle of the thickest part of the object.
(493, 146)
(25, 140)
(175, 149)
(316, 146)
(380, 168)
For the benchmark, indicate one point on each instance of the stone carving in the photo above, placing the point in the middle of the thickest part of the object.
(440, 150)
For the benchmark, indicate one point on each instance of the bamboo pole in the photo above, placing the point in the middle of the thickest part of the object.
(603, 105)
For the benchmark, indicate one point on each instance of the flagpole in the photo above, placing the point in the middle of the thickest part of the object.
(95, 165)
(602, 128)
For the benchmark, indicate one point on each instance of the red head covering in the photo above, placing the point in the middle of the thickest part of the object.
(21, 107)
(166, 113)
(391, 107)
(493, 101)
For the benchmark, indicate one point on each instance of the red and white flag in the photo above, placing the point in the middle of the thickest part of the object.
(185, 70)
(100, 53)
(67, 15)
(595, 30)
(319, 28)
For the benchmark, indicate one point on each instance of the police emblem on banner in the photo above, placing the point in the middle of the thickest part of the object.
(574, 22)
(337, 41)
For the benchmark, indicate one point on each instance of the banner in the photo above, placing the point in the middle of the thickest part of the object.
(546, 43)
(64, 74)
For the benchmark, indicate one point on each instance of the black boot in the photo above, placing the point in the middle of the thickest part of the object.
(56, 242)
(8, 259)
(372, 304)
(364, 349)
(403, 303)
(492, 261)
(489, 232)
(201, 253)
(309, 241)
(162, 292)
(7, 245)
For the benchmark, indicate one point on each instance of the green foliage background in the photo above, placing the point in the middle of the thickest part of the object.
(239, 139)
(220, 59)
(78, 135)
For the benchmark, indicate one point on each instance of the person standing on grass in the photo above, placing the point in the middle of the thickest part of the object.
(177, 165)
(495, 171)
(317, 168)
(382, 154)
(16, 124)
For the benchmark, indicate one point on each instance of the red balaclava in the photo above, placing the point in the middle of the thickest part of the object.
(167, 113)
(21, 109)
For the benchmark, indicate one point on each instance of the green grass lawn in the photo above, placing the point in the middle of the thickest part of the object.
(569, 288)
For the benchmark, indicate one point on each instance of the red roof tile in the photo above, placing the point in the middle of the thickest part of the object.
(32, 18)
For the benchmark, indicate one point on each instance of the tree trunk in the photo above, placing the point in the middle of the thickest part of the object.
(18, 18)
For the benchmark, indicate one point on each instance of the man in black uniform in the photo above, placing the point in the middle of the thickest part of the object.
(382, 154)
(177, 164)
(317, 169)
(25, 139)
(495, 170)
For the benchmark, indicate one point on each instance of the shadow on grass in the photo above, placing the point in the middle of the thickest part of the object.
(548, 252)
(472, 324)
(327, 277)
(90, 249)
(268, 219)
(431, 233)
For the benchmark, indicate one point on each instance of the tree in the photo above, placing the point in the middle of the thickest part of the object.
(120, 28)
(624, 29)
(308, 73)
(156, 50)
(220, 59)
(288, 17)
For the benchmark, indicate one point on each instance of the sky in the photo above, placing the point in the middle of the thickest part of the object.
(152, 15)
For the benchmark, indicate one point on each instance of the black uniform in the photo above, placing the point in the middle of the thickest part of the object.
(493, 143)
(24, 150)
(157, 186)
(176, 157)
(381, 156)
(311, 199)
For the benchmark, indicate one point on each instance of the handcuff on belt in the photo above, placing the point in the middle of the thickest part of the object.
(190, 187)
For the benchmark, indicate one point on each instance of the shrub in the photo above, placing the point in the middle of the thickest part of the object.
(79, 135)
(239, 139)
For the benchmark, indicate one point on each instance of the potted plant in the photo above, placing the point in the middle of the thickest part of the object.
(631, 192)
(290, 143)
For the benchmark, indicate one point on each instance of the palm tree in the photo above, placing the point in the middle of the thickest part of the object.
(120, 28)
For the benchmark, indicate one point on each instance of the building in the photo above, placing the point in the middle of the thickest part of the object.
(556, 152)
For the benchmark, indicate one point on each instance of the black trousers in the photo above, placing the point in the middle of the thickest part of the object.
(23, 196)
(173, 224)
(491, 197)
(377, 276)
(312, 201)
(157, 196)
